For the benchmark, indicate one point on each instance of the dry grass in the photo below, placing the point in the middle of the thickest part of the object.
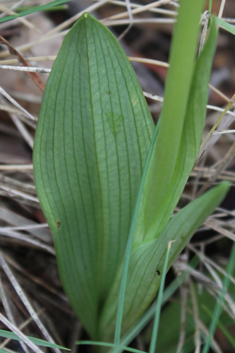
(32, 296)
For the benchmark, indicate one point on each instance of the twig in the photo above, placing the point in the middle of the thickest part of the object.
(135, 6)
(32, 58)
(7, 308)
(110, 23)
(69, 22)
(139, 9)
(26, 69)
(222, 5)
(27, 239)
(13, 101)
(18, 167)
(32, 75)
(20, 334)
(222, 165)
(25, 301)
(130, 18)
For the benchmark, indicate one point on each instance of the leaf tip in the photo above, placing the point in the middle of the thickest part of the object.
(225, 185)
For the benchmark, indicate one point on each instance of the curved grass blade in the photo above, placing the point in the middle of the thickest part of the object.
(159, 302)
(91, 144)
(38, 341)
(33, 10)
(218, 307)
(227, 26)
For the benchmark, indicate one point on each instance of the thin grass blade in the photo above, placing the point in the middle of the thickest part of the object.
(151, 311)
(218, 307)
(222, 328)
(227, 26)
(38, 341)
(33, 10)
(159, 303)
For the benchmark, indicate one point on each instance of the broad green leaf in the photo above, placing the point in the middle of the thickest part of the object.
(91, 144)
(38, 341)
(147, 260)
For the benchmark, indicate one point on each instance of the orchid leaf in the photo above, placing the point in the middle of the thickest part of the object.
(106, 182)
(164, 180)
(147, 225)
(154, 205)
(147, 259)
(91, 144)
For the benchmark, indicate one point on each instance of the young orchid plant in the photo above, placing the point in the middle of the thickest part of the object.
(108, 181)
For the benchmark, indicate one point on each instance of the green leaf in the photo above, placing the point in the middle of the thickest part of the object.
(225, 25)
(147, 260)
(38, 341)
(91, 144)
(154, 203)
(210, 6)
(165, 179)
(148, 315)
(147, 225)
(222, 326)
(33, 10)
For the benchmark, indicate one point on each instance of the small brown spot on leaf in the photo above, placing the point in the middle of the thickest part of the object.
(58, 224)
(158, 272)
